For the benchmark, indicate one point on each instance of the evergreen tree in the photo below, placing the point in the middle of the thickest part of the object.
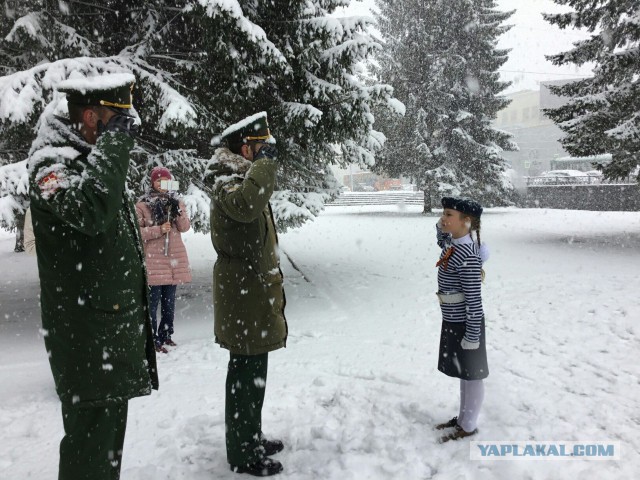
(14, 138)
(603, 112)
(202, 65)
(442, 61)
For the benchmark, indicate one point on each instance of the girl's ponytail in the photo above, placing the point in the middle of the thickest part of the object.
(475, 226)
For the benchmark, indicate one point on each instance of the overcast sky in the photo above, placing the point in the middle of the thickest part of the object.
(530, 39)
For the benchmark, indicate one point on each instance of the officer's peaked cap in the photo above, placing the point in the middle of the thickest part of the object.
(109, 90)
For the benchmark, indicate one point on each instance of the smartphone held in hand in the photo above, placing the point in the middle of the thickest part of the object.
(170, 185)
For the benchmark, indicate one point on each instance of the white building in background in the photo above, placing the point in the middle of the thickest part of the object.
(345, 175)
(357, 179)
(536, 135)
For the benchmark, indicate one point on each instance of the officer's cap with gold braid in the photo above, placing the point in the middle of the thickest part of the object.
(109, 90)
(252, 129)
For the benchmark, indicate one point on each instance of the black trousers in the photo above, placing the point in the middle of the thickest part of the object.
(246, 384)
(91, 448)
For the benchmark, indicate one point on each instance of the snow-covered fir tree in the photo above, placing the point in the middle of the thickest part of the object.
(442, 60)
(14, 198)
(318, 101)
(603, 112)
(202, 65)
(14, 138)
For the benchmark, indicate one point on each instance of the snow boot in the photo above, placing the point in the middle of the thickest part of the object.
(161, 349)
(450, 424)
(170, 342)
(271, 447)
(265, 467)
(457, 434)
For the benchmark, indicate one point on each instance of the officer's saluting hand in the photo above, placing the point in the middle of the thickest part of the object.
(120, 123)
(267, 151)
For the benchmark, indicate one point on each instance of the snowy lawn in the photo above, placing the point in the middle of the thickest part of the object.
(356, 392)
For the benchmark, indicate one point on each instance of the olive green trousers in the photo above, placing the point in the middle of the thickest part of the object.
(246, 382)
(91, 448)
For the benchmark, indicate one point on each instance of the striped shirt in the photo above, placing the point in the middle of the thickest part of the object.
(462, 275)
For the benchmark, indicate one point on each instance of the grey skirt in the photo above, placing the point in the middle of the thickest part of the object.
(455, 361)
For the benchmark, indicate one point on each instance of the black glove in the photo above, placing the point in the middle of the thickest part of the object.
(119, 123)
(174, 207)
(268, 151)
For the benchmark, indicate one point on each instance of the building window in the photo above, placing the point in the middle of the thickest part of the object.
(525, 114)
(514, 116)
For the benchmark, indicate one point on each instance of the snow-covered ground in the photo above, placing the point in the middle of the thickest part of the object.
(356, 392)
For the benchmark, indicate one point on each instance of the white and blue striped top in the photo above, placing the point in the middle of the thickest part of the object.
(463, 275)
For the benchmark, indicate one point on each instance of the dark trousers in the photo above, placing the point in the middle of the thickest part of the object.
(165, 295)
(246, 384)
(92, 445)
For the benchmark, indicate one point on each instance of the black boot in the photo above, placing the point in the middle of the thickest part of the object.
(271, 447)
(457, 434)
(450, 424)
(265, 467)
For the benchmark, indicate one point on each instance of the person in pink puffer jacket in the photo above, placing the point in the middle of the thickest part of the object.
(162, 214)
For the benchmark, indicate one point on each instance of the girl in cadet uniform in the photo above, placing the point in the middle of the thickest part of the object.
(462, 340)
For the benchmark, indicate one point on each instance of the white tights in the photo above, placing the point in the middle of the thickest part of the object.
(471, 397)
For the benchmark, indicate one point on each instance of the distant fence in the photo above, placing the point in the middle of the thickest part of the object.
(391, 197)
(573, 196)
(600, 197)
(577, 180)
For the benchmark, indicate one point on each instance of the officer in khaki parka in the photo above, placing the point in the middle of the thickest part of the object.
(91, 268)
(248, 293)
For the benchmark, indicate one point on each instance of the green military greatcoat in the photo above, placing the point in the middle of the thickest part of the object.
(248, 293)
(91, 266)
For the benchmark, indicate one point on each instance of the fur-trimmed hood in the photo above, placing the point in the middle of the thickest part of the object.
(225, 166)
(226, 162)
(56, 139)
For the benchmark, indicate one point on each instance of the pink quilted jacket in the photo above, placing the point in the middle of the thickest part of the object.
(174, 268)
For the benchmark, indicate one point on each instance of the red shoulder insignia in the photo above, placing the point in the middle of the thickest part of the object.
(49, 184)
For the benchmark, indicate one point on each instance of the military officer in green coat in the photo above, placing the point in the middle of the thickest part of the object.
(248, 293)
(91, 268)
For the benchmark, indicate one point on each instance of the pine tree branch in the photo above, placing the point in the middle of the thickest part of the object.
(140, 9)
(86, 14)
(23, 151)
(173, 59)
(94, 5)
(152, 34)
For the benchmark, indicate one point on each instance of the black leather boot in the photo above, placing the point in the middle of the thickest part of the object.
(265, 467)
(457, 434)
(271, 447)
(450, 424)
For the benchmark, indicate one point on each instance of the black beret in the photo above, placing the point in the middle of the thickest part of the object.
(463, 205)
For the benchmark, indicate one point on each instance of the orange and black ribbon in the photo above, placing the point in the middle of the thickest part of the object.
(444, 261)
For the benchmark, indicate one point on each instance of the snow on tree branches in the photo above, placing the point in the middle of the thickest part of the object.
(603, 112)
(200, 66)
(441, 59)
(14, 192)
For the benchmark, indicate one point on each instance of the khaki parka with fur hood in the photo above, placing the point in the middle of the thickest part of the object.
(248, 292)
